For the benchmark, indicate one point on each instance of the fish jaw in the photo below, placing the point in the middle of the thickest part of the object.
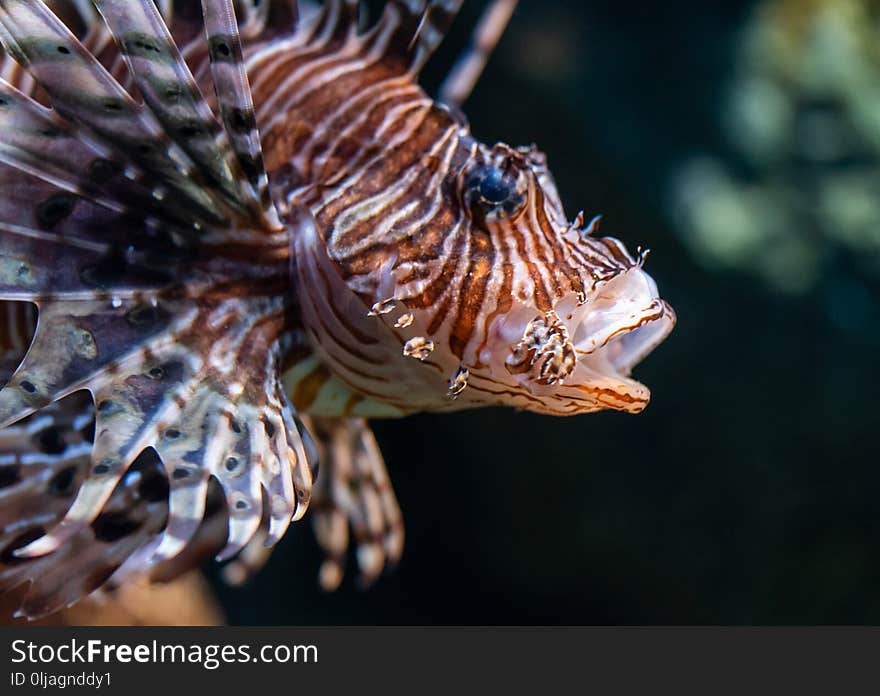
(576, 358)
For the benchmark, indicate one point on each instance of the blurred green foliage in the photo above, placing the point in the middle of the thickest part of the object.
(795, 196)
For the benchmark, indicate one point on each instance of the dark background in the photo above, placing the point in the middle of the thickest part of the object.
(746, 493)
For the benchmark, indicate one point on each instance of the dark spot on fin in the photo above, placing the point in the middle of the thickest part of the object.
(102, 468)
(243, 121)
(113, 106)
(173, 93)
(106, 406)
(55, 209)
(220, 48)
(141, 44)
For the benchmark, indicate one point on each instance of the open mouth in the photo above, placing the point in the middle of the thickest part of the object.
(622, 324)
(594, 345)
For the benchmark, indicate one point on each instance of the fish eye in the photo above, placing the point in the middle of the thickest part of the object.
(493, 194)
(496, 186)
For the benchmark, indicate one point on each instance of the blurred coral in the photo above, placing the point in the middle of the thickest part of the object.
(798, 197)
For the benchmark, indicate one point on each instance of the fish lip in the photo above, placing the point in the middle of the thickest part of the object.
(614, 330)
(626, 346)
(609, 329)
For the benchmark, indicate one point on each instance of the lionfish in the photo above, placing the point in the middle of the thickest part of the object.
(229, 233)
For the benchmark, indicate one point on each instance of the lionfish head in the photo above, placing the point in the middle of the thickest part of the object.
(572, 313)
(508, 303)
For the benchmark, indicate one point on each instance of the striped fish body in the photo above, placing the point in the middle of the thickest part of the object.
(417, 291)
(240, 233)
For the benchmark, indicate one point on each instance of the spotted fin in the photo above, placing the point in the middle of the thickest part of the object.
(43, 145)
(44, 459)
(43, 462)
(171, 94)
(83, 92)
(353, 491)
(174, 136)
(234, 100)
(161, 277)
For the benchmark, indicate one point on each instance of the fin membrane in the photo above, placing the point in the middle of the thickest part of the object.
(353, 492)
(135, 217)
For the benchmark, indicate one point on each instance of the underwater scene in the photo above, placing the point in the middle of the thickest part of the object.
(734, 150)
